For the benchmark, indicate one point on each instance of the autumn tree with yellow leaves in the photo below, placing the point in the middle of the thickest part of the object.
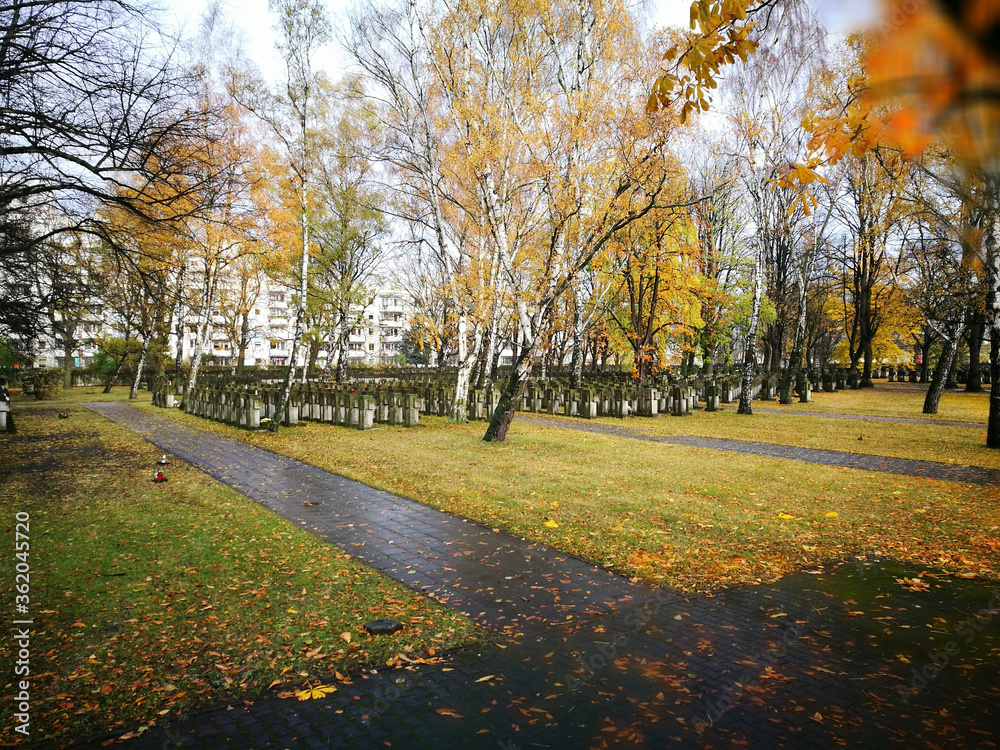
(935, 69)
(597, 164)
(655, 297)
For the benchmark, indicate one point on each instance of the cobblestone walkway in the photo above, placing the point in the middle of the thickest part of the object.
(905, 466)
(822, 659)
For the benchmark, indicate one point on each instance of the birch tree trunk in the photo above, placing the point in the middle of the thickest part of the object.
(578, 343)
(466, 360)
(343, 344)
(530, 328)
(179, 326)
(749, 350)
(951, 342)
(244, 342)
(791, 374)
(67, 358)
(510, 397)
(803, 273)
(993, 311)
(134, 391)
(343, 357)
(300, 313)
(974, 380)
(205, 330)
(486, 360)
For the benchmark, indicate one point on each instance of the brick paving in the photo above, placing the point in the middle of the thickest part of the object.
(824, 658)
(473, 568)
(905, 466)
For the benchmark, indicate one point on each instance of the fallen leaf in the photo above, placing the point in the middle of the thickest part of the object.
(315, 692)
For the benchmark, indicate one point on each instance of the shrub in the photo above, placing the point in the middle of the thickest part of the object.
(47, 382)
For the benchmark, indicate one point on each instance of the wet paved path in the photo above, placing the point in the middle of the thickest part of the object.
(822, 659)
(476, 570)
(905, 466)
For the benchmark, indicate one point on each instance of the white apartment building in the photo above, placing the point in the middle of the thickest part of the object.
(376, 339)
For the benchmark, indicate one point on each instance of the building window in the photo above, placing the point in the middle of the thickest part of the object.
(276, 296)
(371, 347)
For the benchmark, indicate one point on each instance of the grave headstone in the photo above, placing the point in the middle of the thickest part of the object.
(805, 391)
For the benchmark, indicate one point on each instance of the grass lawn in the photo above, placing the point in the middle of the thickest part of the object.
(152, 599)
(965, 446)
(690, 518)
(80, 395)
(894, 400)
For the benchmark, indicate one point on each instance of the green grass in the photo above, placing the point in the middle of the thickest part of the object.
(686, 517)
(80, 395)
(152, 599)
(965, 446)
(894, 400)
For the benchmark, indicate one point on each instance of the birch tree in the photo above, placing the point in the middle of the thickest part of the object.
(600, 166)
(351, 229)
(303, 28)
(395, 48)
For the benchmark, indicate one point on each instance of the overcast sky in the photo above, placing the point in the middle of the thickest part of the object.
(255, 22)
(253, 18)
